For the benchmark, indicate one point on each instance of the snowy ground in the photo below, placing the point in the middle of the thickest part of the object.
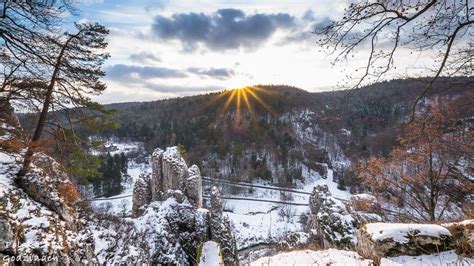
(310, 257)
(210, 255)
(122, 204)
(342, 257)
(253, 222)
(399, 232)
(117, 147)
(443, 258)
(259, 222)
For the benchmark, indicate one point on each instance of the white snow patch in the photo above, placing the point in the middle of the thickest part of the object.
(210, 254)
(117, 147)
(310, 257)
(399, 232)
(41, 222)
(335, 192)
(442, 258)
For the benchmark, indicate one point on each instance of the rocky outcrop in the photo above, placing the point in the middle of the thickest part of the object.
(376, 240)
(42, 216)
(330, 219)
(170, 177)
(221, 230)
(44, 188)
(156, 181)
(185, 225)
(174, 169)
(142, 194)
(193, 185)
(38, 217)
(7, 237)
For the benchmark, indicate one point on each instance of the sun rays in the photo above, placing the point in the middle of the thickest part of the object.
(243, 99)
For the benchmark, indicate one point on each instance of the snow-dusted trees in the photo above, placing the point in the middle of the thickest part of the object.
(426, 174)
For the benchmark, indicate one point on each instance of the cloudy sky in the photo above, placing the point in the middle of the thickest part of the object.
(163, 48)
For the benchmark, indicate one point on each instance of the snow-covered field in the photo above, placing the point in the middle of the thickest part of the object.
(117, 147)
(441, 259)
(122, 204)
(342, 257)
(259, 222)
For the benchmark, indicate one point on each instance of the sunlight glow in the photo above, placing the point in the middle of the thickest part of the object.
(247, 95)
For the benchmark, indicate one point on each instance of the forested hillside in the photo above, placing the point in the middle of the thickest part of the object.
(264, 131)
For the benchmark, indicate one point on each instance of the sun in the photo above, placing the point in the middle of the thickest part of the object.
(242, 98)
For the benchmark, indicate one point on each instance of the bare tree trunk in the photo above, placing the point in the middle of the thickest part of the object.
(44, 111)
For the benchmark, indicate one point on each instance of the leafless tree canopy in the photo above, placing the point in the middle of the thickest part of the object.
(385, 26)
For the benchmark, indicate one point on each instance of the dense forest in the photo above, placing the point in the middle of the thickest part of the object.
(244, 135)
(372, 114)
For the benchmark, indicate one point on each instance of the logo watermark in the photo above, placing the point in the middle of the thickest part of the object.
(29, 258)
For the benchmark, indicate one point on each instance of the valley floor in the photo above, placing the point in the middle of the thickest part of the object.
(254, 223)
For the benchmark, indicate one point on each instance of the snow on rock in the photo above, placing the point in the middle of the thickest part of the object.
(167, 233)
(193, 185)
(169, 175)
(35, 217)
(377, 240)
(401, 232)
(174, 170)
(141, 194)
(469, 222)
(210, 254)
(221, 230)
(437, 259)
(330, 218)
(310, 257)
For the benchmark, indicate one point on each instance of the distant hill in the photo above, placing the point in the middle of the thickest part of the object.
(281, 132)
(365, 112)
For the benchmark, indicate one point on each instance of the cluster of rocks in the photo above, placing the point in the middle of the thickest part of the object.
(170, 177)
(357, 225)
(42, 217)
(38, 214)
(377, 240)
(330, 220)
(191, 225)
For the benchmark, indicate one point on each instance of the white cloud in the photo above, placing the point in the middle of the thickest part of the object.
(297, 63)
